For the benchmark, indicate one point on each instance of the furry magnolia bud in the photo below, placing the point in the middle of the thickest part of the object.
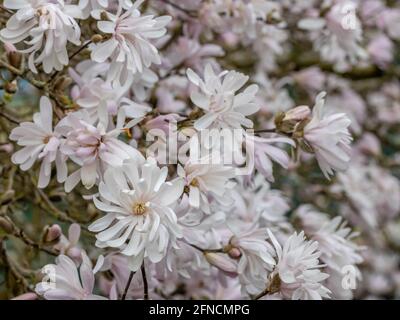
(13, 56)
(287, 122)
(52, 233)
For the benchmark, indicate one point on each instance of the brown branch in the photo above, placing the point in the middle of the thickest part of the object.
(9, 117)
(145, 285)
(20, 233)
(128, 285)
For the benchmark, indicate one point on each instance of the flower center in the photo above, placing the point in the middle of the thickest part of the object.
(46, 140)
(194, 183)
(139, 209)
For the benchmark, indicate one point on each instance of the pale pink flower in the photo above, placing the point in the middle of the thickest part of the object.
(50, 25)
(129, 47)
(223, 107)
(329, 138)
(139, 220)
(93, 148)
(298, 269)
(204, 181)
(40, 142)
(65, 281)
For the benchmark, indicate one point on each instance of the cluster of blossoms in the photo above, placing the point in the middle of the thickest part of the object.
(209, 153)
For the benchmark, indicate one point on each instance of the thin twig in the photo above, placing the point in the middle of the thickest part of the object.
(128, 285)
(273, 130)
(5, 9)
(145, 285)
(9, 118)
(262, 294)
(220, 250)
(20, 233)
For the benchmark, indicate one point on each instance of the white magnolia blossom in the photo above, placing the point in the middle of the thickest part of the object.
(223, 107)
(205, 180)
(297, 274)
(259, 202)
(93, 148)
(373, 191)
(338, 35)
(334, 238)
(66, 281)
(139, 220)
(256, 258)
(129, 47)
(329, 138)
(40, 142)
(49, 24)
(155, 106)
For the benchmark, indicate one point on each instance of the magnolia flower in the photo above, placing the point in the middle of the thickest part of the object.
(259, 201)
(205, 179)
(260, 153)
(329, 138)
(101, 98)
(139, 220)
(190, 53)
(373, 192)
(297, 274)
(338, 35)
(40, 143)
(218, 99)
(129, 48)
(94, 94)
(93, 148)
(117, 265)
(333, 236)
(256, 258)
(65, 281)
(50, 25)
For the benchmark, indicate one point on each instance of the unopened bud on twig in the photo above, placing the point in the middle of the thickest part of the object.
(11, 87)
(288, 122)
(97, 38)
(13, 56)
(52, 233)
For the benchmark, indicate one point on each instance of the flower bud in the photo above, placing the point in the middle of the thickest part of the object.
(13, 56)
(297, 114)
(222, 262)
(234, 253)
(52, 233)
(287, 122)
(11, 87)
(97, 38)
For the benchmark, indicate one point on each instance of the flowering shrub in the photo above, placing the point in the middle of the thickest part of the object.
(219, 149)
